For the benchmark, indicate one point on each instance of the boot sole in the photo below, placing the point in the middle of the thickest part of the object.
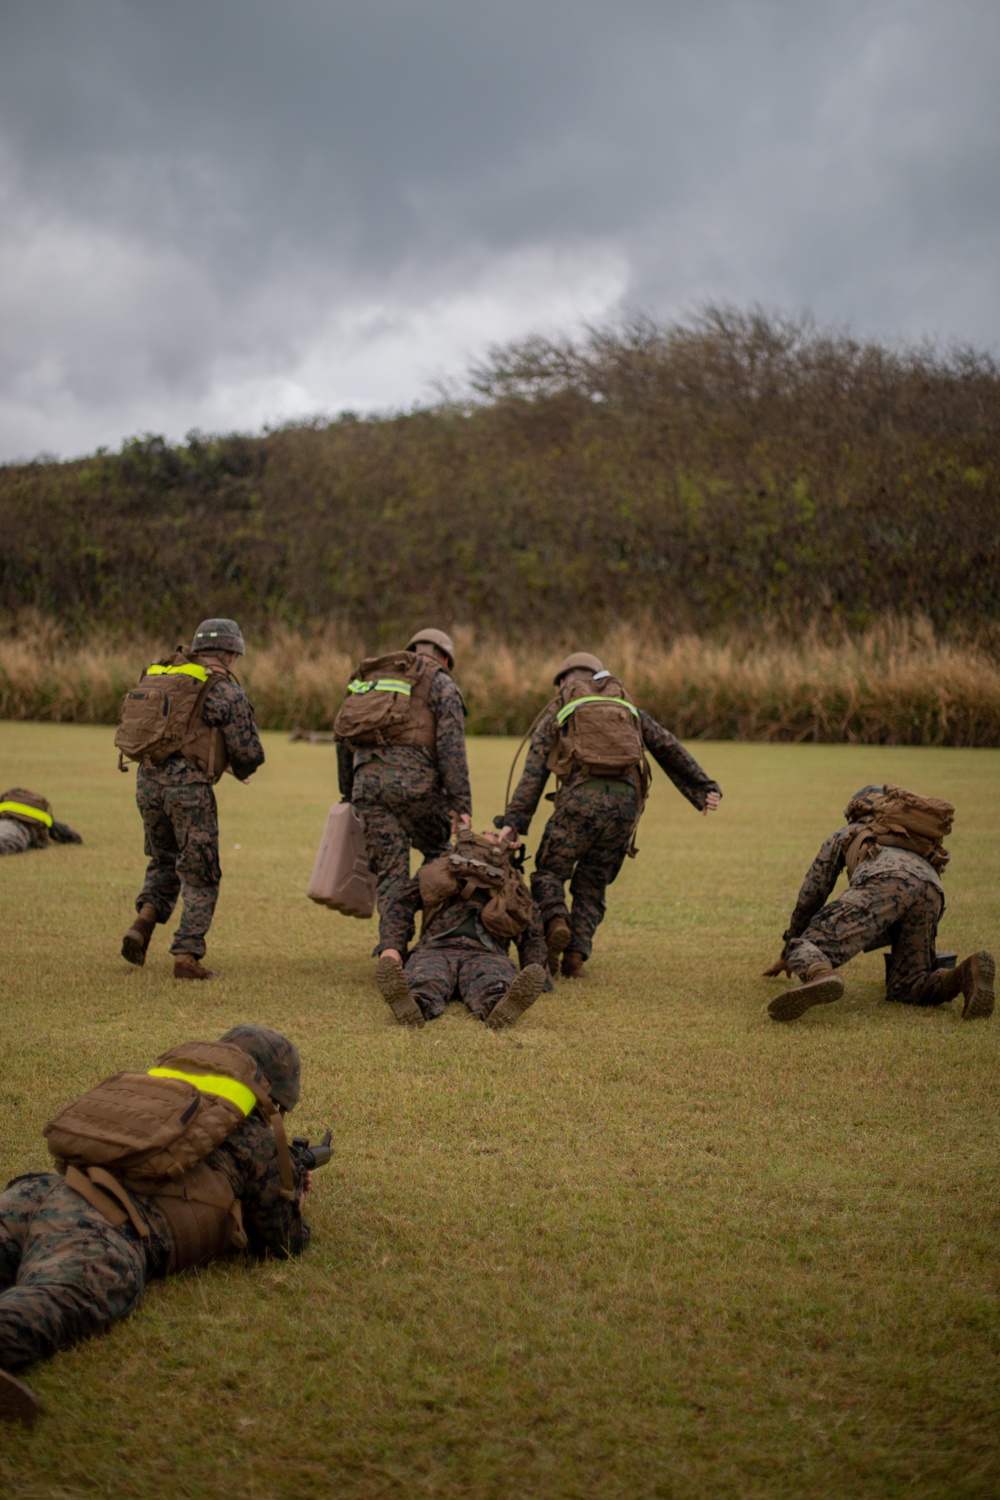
(133, 948)
(395, 992)
(520, 997)
(18, 1402)
(979, 1004)
(797, 1001)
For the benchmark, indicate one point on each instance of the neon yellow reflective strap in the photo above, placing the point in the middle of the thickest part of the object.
(213, 1083)
(24, 811)
(565, 712)
(383, 685)
(190, 669)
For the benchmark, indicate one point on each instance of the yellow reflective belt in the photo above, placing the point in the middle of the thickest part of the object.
(190, 669)
(213, 1083)
(24, 811)
(383, 685)
(565, 712)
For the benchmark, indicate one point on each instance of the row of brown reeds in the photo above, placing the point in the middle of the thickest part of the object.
(895, 684)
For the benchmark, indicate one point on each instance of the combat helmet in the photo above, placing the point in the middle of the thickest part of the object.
(860, 806)
(436, 638)
(579, 659)
(277, 1058)
(218, 635)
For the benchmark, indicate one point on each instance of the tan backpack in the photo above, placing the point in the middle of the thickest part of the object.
(478, 865)
(386, 702)
(150, 1133)
(597, 729)
(901, 819)
(162, 716)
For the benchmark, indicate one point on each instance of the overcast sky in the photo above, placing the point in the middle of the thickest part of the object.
(223, 213)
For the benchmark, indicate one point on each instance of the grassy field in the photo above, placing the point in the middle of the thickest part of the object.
(648, 1243)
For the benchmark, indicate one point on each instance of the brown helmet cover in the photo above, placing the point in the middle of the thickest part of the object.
(582, 660)
(436, 638)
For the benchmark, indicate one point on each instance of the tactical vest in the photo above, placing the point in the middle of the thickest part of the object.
(480, 871)
(386, 702)
(149, 1133)
(30, 809)
(901, 819)
(597, 731)
(162, 716)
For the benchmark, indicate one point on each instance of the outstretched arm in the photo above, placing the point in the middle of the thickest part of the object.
(682, 768)
(821, 877)
(521, 808)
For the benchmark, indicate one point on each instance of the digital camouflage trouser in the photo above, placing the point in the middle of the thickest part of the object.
(181, 824)
(585, 842)
(437, 974)
(399, 810)
(65, 1273)
(895, 906)
(14, 837)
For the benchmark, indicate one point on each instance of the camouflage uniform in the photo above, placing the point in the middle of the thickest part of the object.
(405, 795)
(456, 957)
(66, 1274)
(895, 898)
(590, 830)
(15, 838)
(181, 821)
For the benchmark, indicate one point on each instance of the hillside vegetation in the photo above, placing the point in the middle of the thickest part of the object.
(702, 476)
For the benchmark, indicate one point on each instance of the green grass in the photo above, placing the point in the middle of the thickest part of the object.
(648, 1243)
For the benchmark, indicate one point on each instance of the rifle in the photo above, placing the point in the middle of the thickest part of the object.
(307, 1158)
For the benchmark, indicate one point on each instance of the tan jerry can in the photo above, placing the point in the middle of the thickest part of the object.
(341, 878)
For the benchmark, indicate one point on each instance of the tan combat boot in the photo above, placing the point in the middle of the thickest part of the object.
(18, 1402)
(391, 981)
(572, 965)
(523, 992)
(186, 966)
(136, 940)
(820, 987)
(973, 978)
(557, 936)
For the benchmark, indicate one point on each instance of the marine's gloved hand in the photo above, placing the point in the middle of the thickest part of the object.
(62, 833)
(777, 969)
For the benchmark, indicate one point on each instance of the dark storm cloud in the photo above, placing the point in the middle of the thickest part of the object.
(221, 209)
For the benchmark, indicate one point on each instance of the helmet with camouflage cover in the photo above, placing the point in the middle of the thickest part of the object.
(277, 1058)
(582, 660)
(218, 635)
(436, 638)
(860, 806)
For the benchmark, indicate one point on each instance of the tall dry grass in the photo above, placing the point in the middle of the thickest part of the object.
(895, 684)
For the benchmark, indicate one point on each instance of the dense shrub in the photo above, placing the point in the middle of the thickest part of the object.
(702, 476)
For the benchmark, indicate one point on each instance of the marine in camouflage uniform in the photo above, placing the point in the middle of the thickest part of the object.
(26, 822)
(67, 1274)
(407, 795)
(591, 827)
(458, 958)
(180, 815)
(896, 898)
